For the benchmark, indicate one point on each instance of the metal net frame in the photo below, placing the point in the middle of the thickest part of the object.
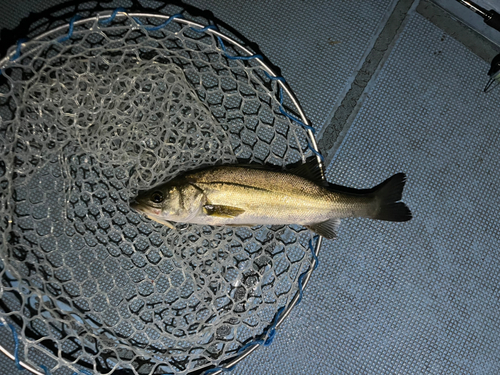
(91, 113)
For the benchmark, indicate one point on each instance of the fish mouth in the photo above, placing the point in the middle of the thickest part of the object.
(151, 213)
(139, 207)
(144, 209)
(134, 204)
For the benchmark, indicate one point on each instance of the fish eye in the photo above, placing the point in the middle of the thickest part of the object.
(157, 197)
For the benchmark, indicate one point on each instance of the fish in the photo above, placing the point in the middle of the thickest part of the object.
(250, 195)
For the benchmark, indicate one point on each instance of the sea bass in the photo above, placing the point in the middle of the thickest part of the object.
(247, 195)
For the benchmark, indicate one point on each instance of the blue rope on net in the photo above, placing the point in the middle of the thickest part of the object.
(71, 27)
(161, 26)
(314, 266)
(16, 350)
(16, 347)
(105, 21)
(16, 55)
(317, 153)
(313, 253)
(16, 344)
(251, 57)
(272, 78)
(301, 293)
(45, 369)
(113, 15)
(270, 333)
(282, 110)
(110, 19)
(293, 118)
(82, 371)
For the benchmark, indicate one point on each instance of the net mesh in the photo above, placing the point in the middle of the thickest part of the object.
(87, 122)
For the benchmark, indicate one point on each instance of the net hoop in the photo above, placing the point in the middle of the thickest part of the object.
(272, 75)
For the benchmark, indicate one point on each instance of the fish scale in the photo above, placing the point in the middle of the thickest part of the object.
(266, 206)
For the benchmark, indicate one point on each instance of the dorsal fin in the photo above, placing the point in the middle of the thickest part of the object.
(310, 170)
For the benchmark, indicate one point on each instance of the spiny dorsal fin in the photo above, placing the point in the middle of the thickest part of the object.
(310, 170)
(327, 229)
(222, 211)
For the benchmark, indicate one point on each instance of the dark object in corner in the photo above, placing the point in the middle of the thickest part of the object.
(494, 74)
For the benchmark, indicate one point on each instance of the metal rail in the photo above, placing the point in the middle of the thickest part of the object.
(491, 17)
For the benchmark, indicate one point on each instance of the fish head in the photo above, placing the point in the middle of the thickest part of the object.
(170, 202)
(164, 201)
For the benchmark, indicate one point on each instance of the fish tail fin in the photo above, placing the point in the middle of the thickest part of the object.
(388, 195)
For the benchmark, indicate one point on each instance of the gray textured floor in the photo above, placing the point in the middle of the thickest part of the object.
(318, 47)
(420, 297)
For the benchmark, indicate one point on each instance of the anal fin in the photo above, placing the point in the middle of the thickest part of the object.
(327, 229)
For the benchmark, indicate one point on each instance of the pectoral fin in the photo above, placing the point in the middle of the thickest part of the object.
(161, 221)
(222, 211)
(327, 229)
